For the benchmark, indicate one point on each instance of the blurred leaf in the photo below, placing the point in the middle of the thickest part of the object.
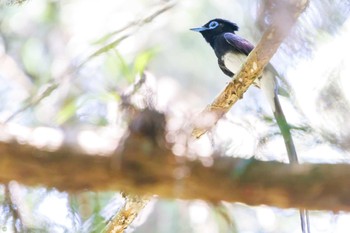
(103, 49)
(51, 12)
(67, 112)
(71, 106)
(109, 96)
(32, 54)
(143, 59)
(99, 222)
(111, 69)
(129, 70)
(108, 36)
(124, 68)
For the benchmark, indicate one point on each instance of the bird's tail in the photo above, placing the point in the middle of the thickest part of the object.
(269, 86)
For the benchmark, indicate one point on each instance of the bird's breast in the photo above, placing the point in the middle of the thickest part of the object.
(233, 61)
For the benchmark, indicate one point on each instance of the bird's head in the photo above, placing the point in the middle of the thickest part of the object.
(216, 27)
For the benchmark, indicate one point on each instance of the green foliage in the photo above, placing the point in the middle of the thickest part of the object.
(130, 70)
(71, 105)
(143, 59)
(67, 111)
(117, 66)
(98, 222)
(33, 54)
(36, 38)
(104, 49)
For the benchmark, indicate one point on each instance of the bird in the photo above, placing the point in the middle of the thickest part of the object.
(232, 51)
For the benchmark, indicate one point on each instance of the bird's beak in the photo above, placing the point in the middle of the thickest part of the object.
(199, 29)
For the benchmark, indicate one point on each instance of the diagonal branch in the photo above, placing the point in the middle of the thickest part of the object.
(123, 219)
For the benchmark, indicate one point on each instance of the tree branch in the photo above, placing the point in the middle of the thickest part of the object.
(144, 168)
(134, 204)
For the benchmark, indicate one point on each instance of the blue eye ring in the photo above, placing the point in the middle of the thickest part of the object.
(213, 24)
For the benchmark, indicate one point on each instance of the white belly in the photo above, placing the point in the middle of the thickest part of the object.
(233, 62)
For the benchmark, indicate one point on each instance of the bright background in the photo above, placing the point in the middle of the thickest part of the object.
(41, 40)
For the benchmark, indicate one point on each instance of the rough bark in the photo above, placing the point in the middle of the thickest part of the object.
(134, 204)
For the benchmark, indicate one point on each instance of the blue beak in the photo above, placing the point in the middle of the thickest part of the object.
(199, 29)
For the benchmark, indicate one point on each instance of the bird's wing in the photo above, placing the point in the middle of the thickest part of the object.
(242, 45)
(238, 43)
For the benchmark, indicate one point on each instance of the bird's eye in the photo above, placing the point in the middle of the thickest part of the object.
(213, 24)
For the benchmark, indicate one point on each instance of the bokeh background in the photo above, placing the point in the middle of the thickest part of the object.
(65, 64)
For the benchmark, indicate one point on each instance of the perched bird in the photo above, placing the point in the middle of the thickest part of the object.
(232, 51)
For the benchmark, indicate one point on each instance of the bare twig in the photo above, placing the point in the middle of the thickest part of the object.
(134, 26)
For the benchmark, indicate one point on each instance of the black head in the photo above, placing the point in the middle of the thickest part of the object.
(216, 27)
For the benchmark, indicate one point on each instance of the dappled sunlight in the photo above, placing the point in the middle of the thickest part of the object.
(236, 138)
(199, 213)
(102, 141)
(87, 75)
(48, 138)
(40, 137)
(201, 147)
(266, 218)
(319, 85)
